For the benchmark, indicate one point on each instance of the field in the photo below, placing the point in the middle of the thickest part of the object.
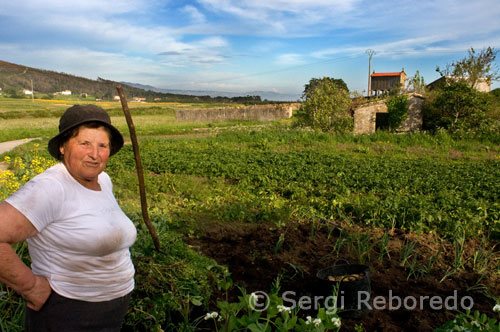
(248, 207)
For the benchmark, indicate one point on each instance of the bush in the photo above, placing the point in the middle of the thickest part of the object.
(397, 107)
(456, 106)
(326, 107)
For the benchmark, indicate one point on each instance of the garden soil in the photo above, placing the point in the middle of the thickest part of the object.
(255, 259)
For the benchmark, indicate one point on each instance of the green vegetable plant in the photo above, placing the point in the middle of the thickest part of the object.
(257, 313)
(472, 322)
(406, 252)
(383, 248)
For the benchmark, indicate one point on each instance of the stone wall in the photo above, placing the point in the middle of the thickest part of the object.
(365, 116)
(414, 120)
(249, 113)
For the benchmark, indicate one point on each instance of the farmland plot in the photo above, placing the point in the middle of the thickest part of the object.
(284, 204)
(278, 205)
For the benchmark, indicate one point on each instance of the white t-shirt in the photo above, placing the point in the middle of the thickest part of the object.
(83, 240)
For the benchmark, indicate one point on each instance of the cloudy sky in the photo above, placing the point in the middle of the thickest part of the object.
(246, 45)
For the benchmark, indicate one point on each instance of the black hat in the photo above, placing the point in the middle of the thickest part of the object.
(80, 114)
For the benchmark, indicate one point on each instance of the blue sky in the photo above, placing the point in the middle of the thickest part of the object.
(247, 45)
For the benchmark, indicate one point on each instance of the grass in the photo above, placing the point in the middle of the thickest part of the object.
(20, 118)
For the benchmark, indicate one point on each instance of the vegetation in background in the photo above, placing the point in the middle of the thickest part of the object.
(21, 118)
(326, 106)
(416, 84)
(456, 106)
(473, 68)
(314, 82)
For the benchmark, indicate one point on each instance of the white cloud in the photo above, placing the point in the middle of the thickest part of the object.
(196, 16)
(96, 25)
(274, 17)
(250, 8)
(358, 18)
(97, 8)
(81, 61)
(205, 52)
(290, 59)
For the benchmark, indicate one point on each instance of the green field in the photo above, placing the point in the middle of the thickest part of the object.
(21, 118)
(351, 191)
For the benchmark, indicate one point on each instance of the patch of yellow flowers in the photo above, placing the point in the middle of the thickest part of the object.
(21, 171)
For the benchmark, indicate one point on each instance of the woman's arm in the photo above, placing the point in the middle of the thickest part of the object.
(15, 227)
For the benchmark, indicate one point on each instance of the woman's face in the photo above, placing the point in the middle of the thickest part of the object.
(86, 155)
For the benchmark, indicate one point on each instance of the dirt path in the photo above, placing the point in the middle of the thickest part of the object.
(7, 146)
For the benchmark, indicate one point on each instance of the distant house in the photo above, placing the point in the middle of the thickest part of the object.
(385, 82)
(116, 97)
(483, 84)
(139, 99)
(64, 93)
(27, 92)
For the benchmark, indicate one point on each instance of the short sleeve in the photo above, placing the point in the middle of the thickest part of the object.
(39, 200)
(105, 180)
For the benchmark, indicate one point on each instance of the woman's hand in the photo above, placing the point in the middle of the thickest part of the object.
(38, 294)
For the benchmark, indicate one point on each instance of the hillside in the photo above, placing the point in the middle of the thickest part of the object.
(14, 78)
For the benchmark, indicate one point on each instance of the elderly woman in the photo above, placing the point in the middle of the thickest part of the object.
(81, 274)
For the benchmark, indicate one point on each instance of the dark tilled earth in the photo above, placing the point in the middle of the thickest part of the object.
(249, 252)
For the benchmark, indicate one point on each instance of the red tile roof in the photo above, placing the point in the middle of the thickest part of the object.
(385, 74)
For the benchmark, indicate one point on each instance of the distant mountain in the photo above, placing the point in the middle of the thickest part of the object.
(14, 78)
(269, 95)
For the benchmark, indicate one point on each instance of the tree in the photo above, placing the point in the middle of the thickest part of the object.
(473, 68)
(416, 83)
(313, 82)
(456, 106)
(14, 92)
(326, 106)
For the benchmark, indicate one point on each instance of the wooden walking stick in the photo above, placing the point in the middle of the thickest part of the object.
(138, 163)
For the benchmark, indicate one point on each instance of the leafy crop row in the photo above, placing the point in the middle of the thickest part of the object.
(449, 196)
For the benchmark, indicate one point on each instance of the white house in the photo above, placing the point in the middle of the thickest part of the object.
(27, 92)
(482, 84)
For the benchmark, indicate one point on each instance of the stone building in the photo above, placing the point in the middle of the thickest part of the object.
(372, 116)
